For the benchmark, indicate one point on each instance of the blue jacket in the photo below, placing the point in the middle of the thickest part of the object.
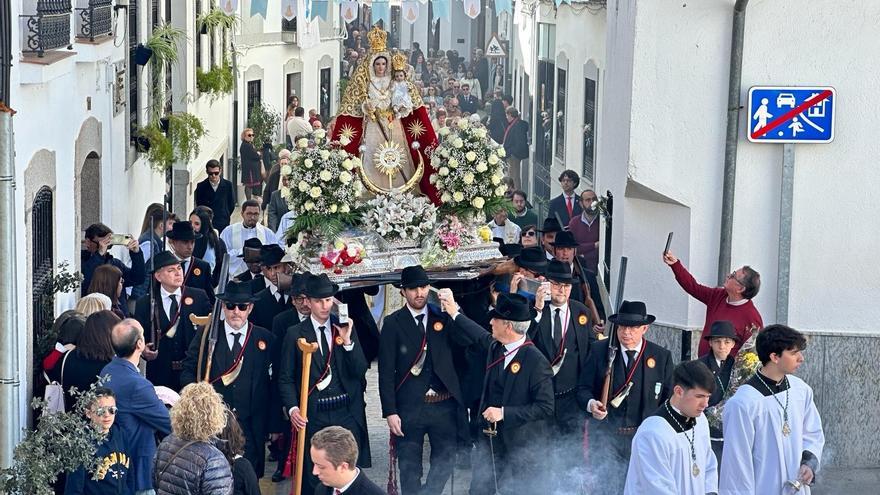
(141, 414)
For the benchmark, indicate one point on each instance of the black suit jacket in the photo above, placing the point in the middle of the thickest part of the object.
(361, 486)
(266, 308)
(258, 282)
(656, 368)
(221, 202)
(468, 103)
(399, 346)
(516, 144)
(350, 368)
(722, 376)
(541, 333)
(557, 205)
(198, 275)
(192, 301)
(282, 322)
(277, 207)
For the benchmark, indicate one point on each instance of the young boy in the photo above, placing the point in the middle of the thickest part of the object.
(671, 452)
(722, 337)
(772, 430)
(112, 472)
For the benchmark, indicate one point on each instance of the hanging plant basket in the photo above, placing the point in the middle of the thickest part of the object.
(142, 54)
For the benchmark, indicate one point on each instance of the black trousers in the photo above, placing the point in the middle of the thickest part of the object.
(255, 435)
(318, 421)
(439, 421)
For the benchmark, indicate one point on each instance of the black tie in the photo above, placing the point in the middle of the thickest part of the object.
(630, 360)
(420, 322)
(324, 347)
(557, 328)
(236, 344)
(172, 308)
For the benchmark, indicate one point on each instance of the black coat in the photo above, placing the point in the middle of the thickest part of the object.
(349, 367)
(361, 486)
(75, 372)
(282, 322)
(722, 376)
(557, 205)
(400, 344)
(655, 367)
(266, 308)
(258, 282)
(516, 143)
(364, 324)
(579, 326)
(221, 201)
(192, 301)
(198, 275)
(199, 465)
(469, 103)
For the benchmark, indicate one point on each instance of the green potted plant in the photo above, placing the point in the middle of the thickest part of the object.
(181, 142)
(216, 82)
(265, 122)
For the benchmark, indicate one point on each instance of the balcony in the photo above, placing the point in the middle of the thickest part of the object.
(288, 30)
(94, 20)
(48, 28)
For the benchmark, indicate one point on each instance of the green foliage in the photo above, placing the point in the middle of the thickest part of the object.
(184, 129)
(63, 281)
(216, 82)
(160, 153)
(216, 19)
(62, 442)
(465, 210)
(342, 84)
(163, 41)
(265, 121)
(323, 226)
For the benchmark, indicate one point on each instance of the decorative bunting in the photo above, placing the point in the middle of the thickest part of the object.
(423, 2)
(441, 9)
(319, 9)
(382, 11)
(410, 10)
(259, 7)
(288, 9)
(472, 8)
(349, 10)
(502, 6)
(230, 6)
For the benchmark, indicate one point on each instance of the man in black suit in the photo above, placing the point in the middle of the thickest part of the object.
(583, 288)
(418, 384)
(466, 101)
(336, 394)
(170, 330)
(239, 368)
(516, 144)
(334, 454)
(367, 329)
(196, 272)
(270, 301)
(641, 381)
(548, 232)
(216, 193)
(517, 397)
(566, 205)
(254, 273)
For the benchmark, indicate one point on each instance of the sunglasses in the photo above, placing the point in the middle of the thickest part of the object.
(104, 411)
(212, 174)
(248, 135)
(240, 306)
(530, 233)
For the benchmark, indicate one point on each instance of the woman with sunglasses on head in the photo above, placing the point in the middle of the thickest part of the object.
(110, 477)
(251, 165)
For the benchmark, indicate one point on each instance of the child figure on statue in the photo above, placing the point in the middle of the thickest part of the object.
(401, 103)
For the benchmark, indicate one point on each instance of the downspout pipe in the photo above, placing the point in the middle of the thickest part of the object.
(734, 90)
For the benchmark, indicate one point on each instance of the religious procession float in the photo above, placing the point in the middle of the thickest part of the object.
(382, 191)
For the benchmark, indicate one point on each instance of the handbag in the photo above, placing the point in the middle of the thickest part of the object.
(53, 397)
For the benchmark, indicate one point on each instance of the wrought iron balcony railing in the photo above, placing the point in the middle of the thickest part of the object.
(48, 28)
(94, 20)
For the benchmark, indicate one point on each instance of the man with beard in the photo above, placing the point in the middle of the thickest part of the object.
(236, 234)
(548, 234)
(522, 215)
(270, 301)
(196, 272)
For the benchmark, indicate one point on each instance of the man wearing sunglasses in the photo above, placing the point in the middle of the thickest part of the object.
(239, 368)
(215, 192)
(732, 301)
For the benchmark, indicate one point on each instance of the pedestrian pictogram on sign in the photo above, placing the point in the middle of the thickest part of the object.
(791, 114)
(495, 48)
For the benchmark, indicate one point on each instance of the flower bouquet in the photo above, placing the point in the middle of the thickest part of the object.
(745, 365)
(343, 254)
(469, 168)
(450, 235)
(324, 189)
(400, 218)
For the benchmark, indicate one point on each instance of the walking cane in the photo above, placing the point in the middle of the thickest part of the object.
(307, 350)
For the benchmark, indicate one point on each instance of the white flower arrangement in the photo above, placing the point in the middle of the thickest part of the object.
(400, 216)
(469, 169)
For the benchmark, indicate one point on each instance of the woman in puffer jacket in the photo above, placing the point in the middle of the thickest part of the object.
(187, 462)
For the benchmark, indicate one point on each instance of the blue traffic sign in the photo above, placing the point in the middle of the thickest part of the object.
(791, 114)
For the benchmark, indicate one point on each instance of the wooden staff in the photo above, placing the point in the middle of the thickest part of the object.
(307, 350)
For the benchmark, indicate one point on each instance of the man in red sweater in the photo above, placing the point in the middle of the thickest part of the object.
(732, 302)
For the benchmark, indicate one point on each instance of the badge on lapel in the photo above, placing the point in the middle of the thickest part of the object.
(650, 362)
(197, 271)
(261, 345)
(187, 301)
(582, 319)
(438, 326)
(515, 367)
(339, 340)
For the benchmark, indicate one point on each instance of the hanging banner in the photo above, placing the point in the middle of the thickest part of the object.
(288, 9)
(502, 6)
(382, 10)
(319, 9)
(349, 10)
(230, 6)
(259, 7)
(410, 10)
(423, 2)
(472, 8)
(441, 9)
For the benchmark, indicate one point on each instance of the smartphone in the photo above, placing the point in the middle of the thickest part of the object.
(668, 244)
(434, 297)
(340, 309)
(120, 239)
(546, 286)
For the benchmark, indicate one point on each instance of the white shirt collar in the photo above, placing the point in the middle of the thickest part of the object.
(316, 324)
(513, 345)
(272, 287)
(554, 307)
(415, 312)
(230, 330)
(737, 303)
(165, 293)
(301, 316)
(637, 348)
(348, 485)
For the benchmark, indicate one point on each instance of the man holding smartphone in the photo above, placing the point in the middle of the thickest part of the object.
(96, 252)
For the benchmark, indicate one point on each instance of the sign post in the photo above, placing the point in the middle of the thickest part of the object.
(789, 115)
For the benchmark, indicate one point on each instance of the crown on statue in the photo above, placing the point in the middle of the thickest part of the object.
(377, 38)
(398, 62)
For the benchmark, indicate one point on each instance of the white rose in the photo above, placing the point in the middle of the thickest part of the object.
(315, 192)
(444, 153)
(325, 154)
(308, 162)
(478, 202)
(432, 179)
(496, 179)
(302, 186)
(444, 131)
(458, 196)
(482, 167)
(500, 151)
(344, 177)
(302, 143)
(320, 133)
(500, 190)
(445, 197)
(347, 164)
(344, 140)
(325, 175)
(356, 161)
(457, 143)
(309, 206)
(480, 133)
(453, 163)
(468, 178)
(286, 170)
(333, 208)
(493, 159)
(443, 171)
(463, 124)
(344, 209)
(471, 156)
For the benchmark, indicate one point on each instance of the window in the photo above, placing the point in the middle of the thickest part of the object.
(591, 91)
(324, 107)
(254, 89)
(560, 114)
(154, 13)
(133, 104)
(198, 34)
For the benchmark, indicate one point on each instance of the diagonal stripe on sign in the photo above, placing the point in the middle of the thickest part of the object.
(773, 124)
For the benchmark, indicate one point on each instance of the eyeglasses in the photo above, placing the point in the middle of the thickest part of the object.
(530, 233)
(299, 299)
(248, 135)
(104, 411)
(212, 174)
(240, 306)
(733, 276)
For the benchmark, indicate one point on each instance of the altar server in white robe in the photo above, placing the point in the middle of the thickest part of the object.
(772, 431)
(671, 451)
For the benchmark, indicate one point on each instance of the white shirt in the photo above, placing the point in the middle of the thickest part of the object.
(298, 127)
(274, 290)
(236, 264)
(510, 231)
(357, 472)
(415, 313)
(284, 223)
(508, 348)
(166, 301)
(185, 264)
(301, 316)
(623, 353)
(585, 219)
(328, 333)
(230, 339)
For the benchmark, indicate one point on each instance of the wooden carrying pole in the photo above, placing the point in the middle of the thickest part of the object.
(307, 350)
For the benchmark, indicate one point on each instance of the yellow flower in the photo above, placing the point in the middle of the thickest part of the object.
(343, 209)
(485, 233)
(333, 208)
(453, 163)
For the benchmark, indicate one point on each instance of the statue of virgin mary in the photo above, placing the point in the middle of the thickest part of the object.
(392, 144)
